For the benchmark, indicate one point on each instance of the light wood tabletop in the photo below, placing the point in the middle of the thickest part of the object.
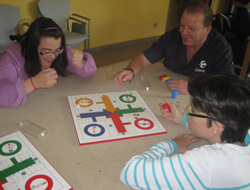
(95, 166)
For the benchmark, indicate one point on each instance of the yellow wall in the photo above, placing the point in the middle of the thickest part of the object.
(220, 6)
(27, 8)
(115, 21)
(112, 21)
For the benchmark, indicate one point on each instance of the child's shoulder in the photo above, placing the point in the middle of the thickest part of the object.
(220, 150)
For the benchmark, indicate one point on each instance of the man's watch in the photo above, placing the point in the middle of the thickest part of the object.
(130, 69)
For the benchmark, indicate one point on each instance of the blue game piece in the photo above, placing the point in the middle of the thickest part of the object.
(168, 80)
(174, 94)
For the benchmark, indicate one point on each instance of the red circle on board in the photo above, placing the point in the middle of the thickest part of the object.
(45, 177)
(144, 128)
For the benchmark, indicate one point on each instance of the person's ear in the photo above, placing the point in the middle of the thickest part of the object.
(209, 28)
(217, 128)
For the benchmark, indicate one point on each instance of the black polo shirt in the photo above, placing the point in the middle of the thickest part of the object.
(214, 57)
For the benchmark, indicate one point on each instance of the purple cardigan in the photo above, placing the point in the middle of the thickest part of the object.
(12, 74)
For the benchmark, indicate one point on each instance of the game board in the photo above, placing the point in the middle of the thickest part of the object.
(112, 116)
(22, 167)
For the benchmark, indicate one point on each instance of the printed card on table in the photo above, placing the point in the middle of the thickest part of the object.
(22, 167)
(112, 116)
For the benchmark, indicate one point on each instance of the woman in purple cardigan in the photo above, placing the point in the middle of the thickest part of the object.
(37, 61)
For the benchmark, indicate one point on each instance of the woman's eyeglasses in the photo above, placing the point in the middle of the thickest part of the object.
(48, 52)
(190, 113)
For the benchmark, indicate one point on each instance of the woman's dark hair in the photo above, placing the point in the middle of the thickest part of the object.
(42, 27)
(202, 8)
(227, 98)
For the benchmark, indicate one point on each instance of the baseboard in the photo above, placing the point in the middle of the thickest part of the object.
(123, 44)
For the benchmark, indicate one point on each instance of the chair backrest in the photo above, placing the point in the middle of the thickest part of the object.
(55, 9)
(246, 61)
(9, 17)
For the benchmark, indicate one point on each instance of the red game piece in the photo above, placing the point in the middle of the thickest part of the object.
(167, 107)
(162, 76)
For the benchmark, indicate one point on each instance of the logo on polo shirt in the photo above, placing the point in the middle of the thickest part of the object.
(202, 65)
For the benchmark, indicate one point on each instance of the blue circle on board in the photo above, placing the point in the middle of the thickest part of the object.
(86, 130)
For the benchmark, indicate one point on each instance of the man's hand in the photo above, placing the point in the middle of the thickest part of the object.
(122, 76)
(138, 63)
(180, 85)
(183, 141)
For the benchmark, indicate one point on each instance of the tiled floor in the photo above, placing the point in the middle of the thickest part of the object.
(116, 55)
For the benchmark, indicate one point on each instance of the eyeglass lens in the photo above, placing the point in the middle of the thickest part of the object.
(50, 52)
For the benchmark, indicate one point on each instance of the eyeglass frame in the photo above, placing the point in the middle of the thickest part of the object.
(50, 52)
(196, 114)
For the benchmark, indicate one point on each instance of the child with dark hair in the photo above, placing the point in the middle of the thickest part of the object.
(37, 61)
(218, 112)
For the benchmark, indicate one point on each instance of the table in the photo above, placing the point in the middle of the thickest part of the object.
(95, 166)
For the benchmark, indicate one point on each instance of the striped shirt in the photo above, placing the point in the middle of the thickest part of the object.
(217, 166)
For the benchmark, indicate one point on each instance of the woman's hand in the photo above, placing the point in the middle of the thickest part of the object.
(45, 79)
(77, 58)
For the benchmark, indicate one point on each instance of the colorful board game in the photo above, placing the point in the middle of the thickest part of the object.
(22, 167)
(112, 116)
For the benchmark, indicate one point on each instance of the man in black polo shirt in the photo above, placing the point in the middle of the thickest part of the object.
(194, 48)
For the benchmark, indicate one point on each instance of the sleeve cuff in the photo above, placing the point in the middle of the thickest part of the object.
(184, 121)
(174, 145)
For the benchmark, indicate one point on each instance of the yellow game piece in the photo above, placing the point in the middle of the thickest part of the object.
(164, 79)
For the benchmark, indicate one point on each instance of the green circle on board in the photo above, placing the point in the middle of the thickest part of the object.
(18, 144)
(122, 98)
